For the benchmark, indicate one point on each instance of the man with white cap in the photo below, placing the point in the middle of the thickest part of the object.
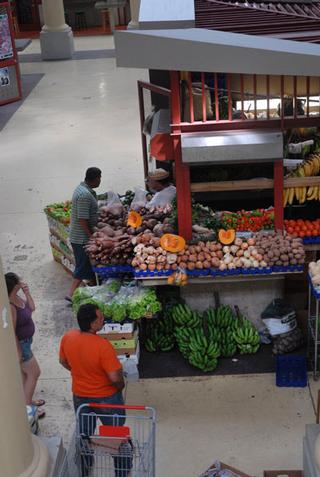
(159, 184)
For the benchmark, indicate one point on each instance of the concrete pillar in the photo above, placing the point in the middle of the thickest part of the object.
(56, 38)
(134, 8)
(21, 453)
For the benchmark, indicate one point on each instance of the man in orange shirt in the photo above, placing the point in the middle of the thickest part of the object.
(96, 377)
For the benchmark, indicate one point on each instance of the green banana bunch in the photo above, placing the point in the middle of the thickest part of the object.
(214, 334)
(221, 317)
(199, 350)
(228, 349)
(184, 316)
(161, 337)
(247, 339)
(227, 343)
(159, 343)
(203, 361)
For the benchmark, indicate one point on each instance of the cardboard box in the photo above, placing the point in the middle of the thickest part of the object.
(126, 343)
(117, 328)
(117, 336)
(283, 473)
(232, 469)
(135, 356)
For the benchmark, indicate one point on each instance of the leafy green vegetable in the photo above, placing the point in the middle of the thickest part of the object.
(145, 302)
(118, 302)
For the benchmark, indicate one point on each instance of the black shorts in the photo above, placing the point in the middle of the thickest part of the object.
(83, 270)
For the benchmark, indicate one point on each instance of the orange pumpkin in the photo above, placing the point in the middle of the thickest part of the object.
(227, 236)
(172, 243)
(134, 219)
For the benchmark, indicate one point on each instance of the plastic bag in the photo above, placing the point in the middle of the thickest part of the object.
(279, 317)
(130, 370)
(178, 278)
(114, 205)
(100, 296)
(139, 200)
(119, 305)
(147, 125)
(163, 198)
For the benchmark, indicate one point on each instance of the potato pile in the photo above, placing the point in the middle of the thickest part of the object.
(259, 251)
(241, 254)
(201, 256)
(153, 258)
(277, 249)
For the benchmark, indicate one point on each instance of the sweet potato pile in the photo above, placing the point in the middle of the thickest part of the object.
(113, 241)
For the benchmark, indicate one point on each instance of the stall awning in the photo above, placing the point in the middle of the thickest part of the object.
(196, 49)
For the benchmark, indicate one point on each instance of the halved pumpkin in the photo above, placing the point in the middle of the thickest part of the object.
(134, 219)
(226, 237)
(172, 243)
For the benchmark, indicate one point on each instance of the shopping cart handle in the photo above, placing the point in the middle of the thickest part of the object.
(116, 406)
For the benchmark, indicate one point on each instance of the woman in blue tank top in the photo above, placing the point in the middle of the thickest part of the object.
(21, 310)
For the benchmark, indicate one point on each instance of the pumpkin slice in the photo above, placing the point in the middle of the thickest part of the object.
(134, 219)
(226, 237)
(172, 243)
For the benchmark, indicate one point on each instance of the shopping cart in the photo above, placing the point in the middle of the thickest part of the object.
(114, 440)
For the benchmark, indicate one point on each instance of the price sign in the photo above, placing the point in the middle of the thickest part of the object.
(4, 77)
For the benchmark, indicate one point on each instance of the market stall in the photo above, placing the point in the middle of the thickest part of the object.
(225, 259)
(135, 249)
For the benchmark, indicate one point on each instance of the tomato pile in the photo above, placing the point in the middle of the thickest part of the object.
(253, 221)
(303, 228)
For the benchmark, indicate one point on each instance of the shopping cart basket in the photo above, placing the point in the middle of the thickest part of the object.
(114, 440)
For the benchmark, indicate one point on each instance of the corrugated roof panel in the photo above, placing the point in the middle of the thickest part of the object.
(294, 21)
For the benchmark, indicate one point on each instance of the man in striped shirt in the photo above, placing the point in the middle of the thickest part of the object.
(84, 217)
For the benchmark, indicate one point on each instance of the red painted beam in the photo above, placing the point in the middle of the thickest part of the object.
(278, 195)
(182, 171)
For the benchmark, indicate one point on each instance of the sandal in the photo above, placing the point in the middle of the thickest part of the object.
(38, 402)
(41, 413)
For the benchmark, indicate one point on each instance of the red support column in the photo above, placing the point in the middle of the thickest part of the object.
(143, 137)
(182, 170)
(278, 195)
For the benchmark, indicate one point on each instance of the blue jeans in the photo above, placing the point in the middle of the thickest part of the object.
(26, 349)
(87, 426)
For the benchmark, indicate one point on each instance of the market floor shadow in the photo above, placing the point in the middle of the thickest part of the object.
(28, 83)
(173, 365)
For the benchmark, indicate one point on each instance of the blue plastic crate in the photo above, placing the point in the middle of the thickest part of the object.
(291, 371)
(311, 240)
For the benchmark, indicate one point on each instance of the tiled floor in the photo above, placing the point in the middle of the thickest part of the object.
(85, 113)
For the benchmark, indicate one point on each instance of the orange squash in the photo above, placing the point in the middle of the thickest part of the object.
(134, 219)
(172, 243)
(227, 236)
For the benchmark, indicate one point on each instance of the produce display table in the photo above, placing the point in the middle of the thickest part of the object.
(313, 329)
(151, 281)
(59, 240)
